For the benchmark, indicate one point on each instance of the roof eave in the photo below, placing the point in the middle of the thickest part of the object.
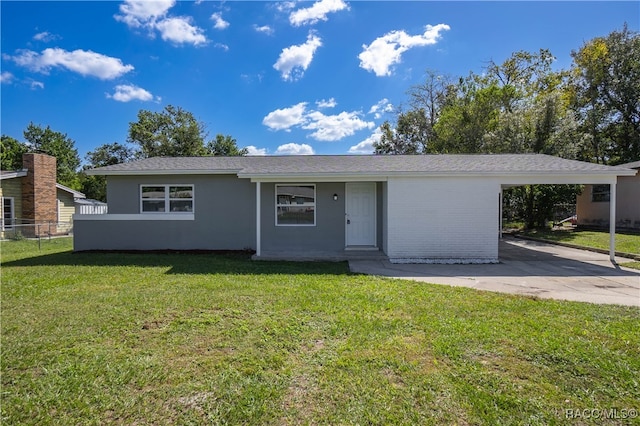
(76, 194)
(98, 172)
(384, 175)
(13, 174)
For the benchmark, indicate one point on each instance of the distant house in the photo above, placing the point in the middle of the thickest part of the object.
(413, 208)
(592, 206)
(33, 203)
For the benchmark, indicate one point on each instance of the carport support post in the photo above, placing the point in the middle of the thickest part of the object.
(612, 220)
(258, 219)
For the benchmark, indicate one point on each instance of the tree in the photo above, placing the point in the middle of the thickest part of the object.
(471, 112)
(172, 132)
(11, 153)
(226, 146)
(409, 137)
(105, 155)
(109, 154)
(606, 75)
(414, 131)
(58, 145)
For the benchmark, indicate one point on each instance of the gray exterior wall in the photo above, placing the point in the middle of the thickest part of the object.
(224, 217)
(327, 235)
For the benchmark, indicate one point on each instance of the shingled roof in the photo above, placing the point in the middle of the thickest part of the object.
(350, 165)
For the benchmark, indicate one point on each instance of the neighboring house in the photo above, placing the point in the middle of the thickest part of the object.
(415, 208)
(592, 206)
(32, 202)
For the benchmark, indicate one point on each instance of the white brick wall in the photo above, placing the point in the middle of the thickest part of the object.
(443, 219)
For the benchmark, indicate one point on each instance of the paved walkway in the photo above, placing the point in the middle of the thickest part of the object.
(528, 268)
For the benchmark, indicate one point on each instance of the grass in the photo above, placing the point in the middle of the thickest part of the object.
(95, 338)
(627, 243)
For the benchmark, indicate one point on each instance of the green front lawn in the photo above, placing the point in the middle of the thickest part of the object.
(209, 339)
(627, 243)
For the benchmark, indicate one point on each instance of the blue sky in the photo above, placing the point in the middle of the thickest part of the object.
(280, 77)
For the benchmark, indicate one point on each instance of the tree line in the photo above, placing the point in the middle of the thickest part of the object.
(589, 112)
(172, 132)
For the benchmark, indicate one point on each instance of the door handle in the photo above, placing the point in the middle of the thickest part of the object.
(348, 221)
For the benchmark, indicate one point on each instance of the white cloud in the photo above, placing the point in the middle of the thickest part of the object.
(143, 13)
(285, 118)
(45, 36)
(284, 6)
(256, 151)
(383, 106)
(335, 127)
(84, 62)
(366, 146)
(331, 103)
(129, 92)
(295, 60)
(324, 127)
(36, 85)
(179, 30)
(222, 46)
(152, 15)
(317, 12)
(264, 29)
(218, 22)
(386, 51)
(6, 77)
(295, 149)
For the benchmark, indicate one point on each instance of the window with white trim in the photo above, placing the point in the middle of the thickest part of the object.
(600, 193)
(8, 213)
(166, 198)
(296, 205)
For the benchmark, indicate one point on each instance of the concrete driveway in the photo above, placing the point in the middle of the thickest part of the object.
(528, 268)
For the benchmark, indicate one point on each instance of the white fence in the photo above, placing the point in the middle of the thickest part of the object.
(91, 209)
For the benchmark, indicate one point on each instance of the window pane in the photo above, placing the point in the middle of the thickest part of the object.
(180, 192)
(600, 193)
(299, 194)
(152, 206)
(153, 192)
(181, 205)
(296, 215)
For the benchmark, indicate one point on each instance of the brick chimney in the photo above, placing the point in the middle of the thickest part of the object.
(39, 203)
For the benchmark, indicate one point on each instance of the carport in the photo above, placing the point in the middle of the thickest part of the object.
(567, 177)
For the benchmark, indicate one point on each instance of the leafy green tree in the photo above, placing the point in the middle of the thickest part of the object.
(58, 145)
(11, 151)
(109, 154)
(409, 137)
(172, 132)
(606, 75)
(469, 115)
(105, 155)
(226, 146)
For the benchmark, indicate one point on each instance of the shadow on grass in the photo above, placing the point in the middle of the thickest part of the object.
(183, 263)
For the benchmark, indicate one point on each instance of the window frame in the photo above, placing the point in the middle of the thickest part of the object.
(278, 205)
(167, 198)
(602, 195)
(12, 218)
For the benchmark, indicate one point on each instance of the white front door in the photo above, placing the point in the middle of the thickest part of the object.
(361, 214)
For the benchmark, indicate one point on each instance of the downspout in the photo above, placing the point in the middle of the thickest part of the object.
(500, 215)
(258, 190)
(612, 220)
